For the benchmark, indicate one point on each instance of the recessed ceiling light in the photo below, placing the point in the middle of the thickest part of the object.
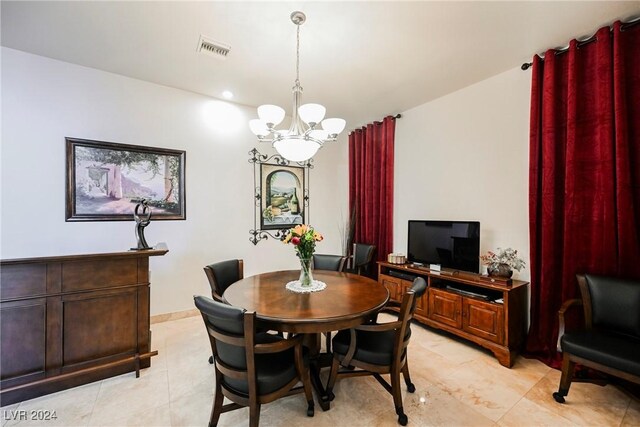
(227, 94)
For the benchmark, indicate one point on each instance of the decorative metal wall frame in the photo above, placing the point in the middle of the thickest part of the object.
(277, 184)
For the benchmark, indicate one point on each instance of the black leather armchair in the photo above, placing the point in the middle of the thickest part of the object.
(377, 349)
(361, 259)
(251, 368)
(610, 340)
(222, 274)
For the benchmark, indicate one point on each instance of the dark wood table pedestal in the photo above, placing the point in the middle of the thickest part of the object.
(348, 300)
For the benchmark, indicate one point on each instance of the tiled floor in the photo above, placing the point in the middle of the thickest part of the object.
(458, 384)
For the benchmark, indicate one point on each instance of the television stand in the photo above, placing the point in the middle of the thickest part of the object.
(490, 314)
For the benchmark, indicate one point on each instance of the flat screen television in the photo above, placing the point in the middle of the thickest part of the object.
(452, 244)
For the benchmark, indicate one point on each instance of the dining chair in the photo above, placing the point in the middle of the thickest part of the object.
(328, 262)
(251, 368)
(376, 349)
(222, 274)
(361, 259)
(609, 339)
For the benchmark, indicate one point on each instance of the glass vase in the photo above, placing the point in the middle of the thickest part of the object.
(306, 275)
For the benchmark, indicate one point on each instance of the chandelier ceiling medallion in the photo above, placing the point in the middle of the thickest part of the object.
(308, 131)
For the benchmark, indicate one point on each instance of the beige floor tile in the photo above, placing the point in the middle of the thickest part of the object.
(9, 412)
(237, 418)
(520, 378)
(192, 409)
(72, 407)
(528, 413)
(432, 406)
(586, 404)
(158, 362)
(453, 350)
(186, 377)
(362, 401)
(632, 417)
(292, 411)
(156, 417)
(490, 396)
(126, 395)
(530, 367)
(482, 383)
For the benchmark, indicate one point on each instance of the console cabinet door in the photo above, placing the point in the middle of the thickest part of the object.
(393, 285)
(483, 319)
(444, 307)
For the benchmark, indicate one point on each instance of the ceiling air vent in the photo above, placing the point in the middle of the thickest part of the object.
(211, 47)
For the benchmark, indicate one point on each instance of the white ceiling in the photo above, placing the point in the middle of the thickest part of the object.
(362, 60)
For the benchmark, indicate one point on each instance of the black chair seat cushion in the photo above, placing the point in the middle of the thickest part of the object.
(273, 370)
(616, 351)
(371, 347)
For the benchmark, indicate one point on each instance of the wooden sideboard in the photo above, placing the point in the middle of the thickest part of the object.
(71, 320)
(465, 304)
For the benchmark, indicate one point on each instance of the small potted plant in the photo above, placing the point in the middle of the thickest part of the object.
(502, 262)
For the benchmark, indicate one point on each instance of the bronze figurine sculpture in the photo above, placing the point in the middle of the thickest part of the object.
(143, 219)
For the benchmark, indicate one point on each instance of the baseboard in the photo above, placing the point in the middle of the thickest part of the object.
(167, 317)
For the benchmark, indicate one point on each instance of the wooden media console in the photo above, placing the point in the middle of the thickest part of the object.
(490, 314)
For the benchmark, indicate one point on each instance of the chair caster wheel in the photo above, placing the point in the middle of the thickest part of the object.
(310, 411)
(210, 360)
(411, 388)
(403, 420)
(558, 397)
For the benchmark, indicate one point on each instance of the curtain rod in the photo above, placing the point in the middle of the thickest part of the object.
(625, 26)
(397, 116)
(394, 117)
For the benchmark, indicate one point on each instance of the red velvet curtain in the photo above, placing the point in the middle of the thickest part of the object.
(371, 184)
(584, 183)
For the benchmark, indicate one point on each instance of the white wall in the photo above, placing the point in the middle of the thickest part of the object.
(45, 100)
(465, 157)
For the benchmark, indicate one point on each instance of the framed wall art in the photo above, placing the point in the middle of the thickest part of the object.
(282, 189)
(281, 195)
(106, 180)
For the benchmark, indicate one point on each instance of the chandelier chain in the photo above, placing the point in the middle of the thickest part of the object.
(308, 131)
(298, 55)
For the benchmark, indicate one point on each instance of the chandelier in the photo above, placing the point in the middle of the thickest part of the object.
(308, 131)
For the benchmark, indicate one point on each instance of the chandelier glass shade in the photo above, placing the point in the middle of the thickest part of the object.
(308, 131)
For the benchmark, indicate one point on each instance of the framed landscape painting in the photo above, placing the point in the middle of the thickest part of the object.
(106, 180)
(283, 198)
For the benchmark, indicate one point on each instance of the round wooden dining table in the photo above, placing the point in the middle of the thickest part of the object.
(348, 300)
